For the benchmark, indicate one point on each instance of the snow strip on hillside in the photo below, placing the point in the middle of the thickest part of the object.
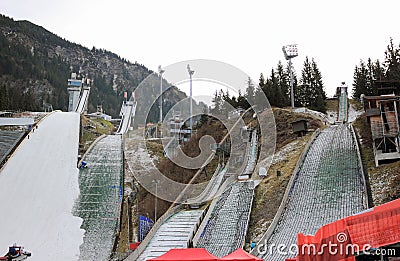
(38, 187)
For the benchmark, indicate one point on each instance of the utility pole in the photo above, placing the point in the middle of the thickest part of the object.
(155, 181)
(161, 71)
(191, 72)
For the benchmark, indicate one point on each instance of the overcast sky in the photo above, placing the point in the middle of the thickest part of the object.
(245, 34)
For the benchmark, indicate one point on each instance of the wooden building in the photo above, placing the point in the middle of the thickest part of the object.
(383, 116)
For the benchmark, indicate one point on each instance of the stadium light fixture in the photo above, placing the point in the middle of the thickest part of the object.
(191, 72)
(290, 51)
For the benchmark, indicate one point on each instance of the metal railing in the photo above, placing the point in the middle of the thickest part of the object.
(135, 255)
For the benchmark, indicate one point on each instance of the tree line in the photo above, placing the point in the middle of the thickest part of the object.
(367, 73)
(309, 90)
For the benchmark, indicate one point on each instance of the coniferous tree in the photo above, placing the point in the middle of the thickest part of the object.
(250, 92)
(242, 102)
(370, 78)
(365, 75)
(318, 102)
(261, 82)
(260, 99)
(277, 86)
(228, 102)
(359, 81)
(284, 84)
(392, 62)
(311, 92)
(217, 101)
(379, 71)
(304, 91)
(273, 90)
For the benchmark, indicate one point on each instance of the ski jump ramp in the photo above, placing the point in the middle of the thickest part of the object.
(328, 186)
(38, 187)
(83, 100)
(128, 114)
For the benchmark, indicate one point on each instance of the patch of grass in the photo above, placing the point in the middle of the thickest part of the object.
(364, 134)
(356, 104)
(332, 105)
(91, 130)
(385, 182)
(156, 150)
(283, 120)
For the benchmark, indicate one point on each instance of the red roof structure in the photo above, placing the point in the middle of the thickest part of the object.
(240, 255)
(340, 240)
(183, 254)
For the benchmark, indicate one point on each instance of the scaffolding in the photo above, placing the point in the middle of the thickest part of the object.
(382, 114)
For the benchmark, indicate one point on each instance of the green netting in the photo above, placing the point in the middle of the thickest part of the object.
(100, 198)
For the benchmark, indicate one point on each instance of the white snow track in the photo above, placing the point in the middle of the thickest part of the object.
(129, 113)
(38, 187)
(83, 100)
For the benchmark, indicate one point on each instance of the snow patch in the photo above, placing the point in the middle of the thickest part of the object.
(353, 114)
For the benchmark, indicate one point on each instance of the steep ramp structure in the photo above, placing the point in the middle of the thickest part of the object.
(343, 104)
(83, 100)
(128, 114)
(38, 187)
(173, 233)
(328, 186)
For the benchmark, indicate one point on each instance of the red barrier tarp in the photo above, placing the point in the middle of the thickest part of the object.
(182, 254)
(376, 227)
(240, 255)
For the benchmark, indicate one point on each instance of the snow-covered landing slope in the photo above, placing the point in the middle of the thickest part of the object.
(38, 187)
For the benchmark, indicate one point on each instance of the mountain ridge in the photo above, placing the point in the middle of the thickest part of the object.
(36, 63)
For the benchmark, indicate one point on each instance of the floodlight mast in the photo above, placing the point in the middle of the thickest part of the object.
(191, 72)
(161, 71)
(290, 51)
(156, 182)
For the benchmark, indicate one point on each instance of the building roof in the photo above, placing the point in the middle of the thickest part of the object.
(382, 97)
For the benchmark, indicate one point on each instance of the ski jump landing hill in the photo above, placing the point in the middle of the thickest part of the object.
(38, 187)
(328, 184)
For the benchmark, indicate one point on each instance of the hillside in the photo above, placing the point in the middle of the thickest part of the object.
(35, 65)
